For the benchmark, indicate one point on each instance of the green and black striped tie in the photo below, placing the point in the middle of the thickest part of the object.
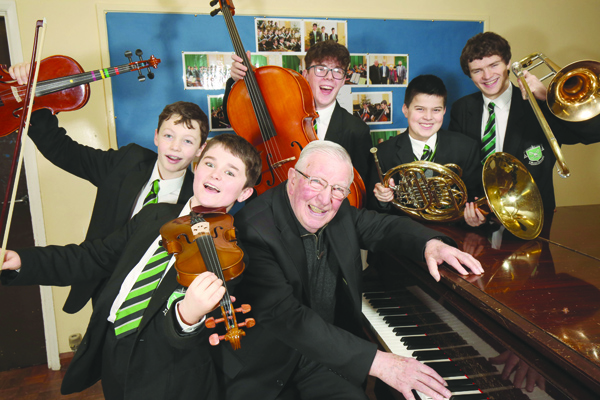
(152, 197)
(488, 142)
(131, 311)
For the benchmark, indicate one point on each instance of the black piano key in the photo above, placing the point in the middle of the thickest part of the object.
(407, 320)
(475, 396)
(436, 341)
(453, 353)
(508, 394)
(410, 310)
(421, 330)
(446, 369)
(476, 366)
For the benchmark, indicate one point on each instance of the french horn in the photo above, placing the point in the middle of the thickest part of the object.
(510, 193)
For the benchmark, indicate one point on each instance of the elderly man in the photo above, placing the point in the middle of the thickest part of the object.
(303, 282)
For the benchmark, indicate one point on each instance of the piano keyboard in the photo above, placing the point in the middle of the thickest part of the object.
(411, 323)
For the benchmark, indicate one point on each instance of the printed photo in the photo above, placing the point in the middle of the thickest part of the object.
(357, 70)
(324, 29)
(278, 35)
(206, 70)
(388, 69)
(373, 107)
(380, 135)
(217, 114)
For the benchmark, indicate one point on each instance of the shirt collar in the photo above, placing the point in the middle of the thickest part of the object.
(501, 101)
(167, 185)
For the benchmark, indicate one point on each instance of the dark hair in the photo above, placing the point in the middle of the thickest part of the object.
(242, 149)
(482, 45)
(425, 84)
(328, 50)
(188, 112)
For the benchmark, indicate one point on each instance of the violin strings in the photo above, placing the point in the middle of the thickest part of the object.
(262, 114)
(62, 83)
(206, 245)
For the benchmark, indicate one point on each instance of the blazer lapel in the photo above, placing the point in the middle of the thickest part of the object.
(404, 151)
(513, 135)
(131, 187)
(334, 130)
(290, 237)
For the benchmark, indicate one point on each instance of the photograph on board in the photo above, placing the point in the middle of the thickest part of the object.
(205, 70)
(324, 29)
(282, 35)
(373, 107)
(357, 70)
(217, 114)
(388, 69)
(381, 135)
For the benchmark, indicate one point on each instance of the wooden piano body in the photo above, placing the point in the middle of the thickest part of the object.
(538, 299)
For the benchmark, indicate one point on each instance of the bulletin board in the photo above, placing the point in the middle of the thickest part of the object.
(433, 47)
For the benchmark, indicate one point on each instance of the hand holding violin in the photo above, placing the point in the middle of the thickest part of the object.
(202, 296)
(20, 72)
(11, 260)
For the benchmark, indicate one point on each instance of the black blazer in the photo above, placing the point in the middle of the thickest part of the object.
(352, 134)
(524, 132)
(275, 284)
(452, 147)
(163, 363)
(119, 176)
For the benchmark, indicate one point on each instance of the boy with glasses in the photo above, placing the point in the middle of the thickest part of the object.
(327, 63)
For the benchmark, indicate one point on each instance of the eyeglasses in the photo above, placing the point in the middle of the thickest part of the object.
(337, 192)
(321, 71)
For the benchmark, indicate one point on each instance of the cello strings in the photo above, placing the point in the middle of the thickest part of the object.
(262, 114)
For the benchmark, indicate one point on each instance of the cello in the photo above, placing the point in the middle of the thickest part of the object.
(274, 109)
(203, 241)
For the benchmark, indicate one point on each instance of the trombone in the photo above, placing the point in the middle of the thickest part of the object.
(572, 96)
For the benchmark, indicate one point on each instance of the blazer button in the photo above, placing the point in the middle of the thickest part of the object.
(279, 382)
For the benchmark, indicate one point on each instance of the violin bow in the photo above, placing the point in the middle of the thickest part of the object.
(15, 170)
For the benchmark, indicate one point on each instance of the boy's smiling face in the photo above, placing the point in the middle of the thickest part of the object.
(220, 179)
(425, 116)
(177, 146)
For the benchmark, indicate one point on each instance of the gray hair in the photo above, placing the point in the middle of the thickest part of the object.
(329, 150)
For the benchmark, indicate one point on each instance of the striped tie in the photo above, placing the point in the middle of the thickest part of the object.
(427, 153)
(152, 197)
(488, 142)
(131, 311)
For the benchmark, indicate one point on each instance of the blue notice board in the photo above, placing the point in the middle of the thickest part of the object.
(433, 47)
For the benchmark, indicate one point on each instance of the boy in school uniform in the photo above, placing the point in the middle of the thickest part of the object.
(158, 350)
(424, 108)
(124, 178)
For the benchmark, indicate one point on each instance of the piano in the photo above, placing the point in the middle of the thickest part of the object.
(537, 305)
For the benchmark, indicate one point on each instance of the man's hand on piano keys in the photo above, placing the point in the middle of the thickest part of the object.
(437, 252)
(405, 374)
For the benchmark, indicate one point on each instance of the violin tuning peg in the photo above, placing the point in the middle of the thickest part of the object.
(128, 54)
(248, 323)
(139, 53)
(214, 12)
(214, 339)
(244, 308)
(150, 74)
(141, 78)
(213, 3)
(210, 323)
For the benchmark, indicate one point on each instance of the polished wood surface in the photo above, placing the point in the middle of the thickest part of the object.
(540, 298)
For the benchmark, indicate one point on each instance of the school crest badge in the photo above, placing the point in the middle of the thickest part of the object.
(535, 154)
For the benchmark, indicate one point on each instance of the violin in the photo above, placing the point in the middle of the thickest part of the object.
(62, 86)
(274, 109)
(202, 241)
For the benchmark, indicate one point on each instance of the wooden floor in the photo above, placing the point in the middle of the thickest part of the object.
(39, 382)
